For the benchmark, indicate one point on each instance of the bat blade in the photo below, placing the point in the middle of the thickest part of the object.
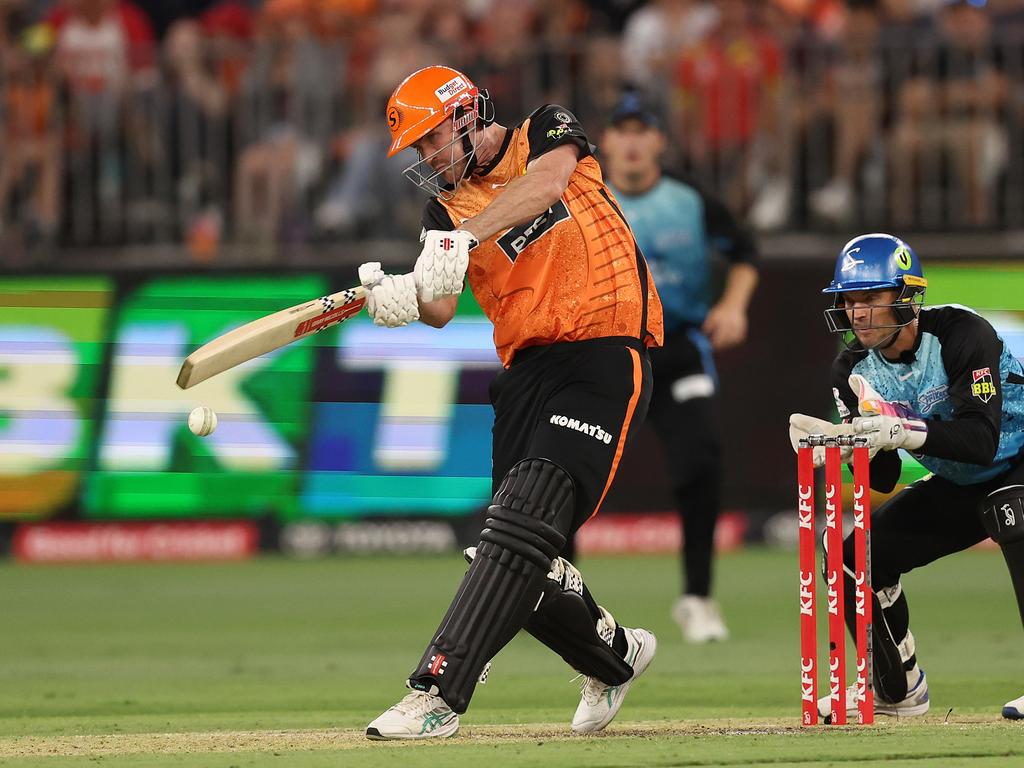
(266, 334)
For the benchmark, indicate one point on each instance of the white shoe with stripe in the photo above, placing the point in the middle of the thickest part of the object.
(600, 703)
(419, 715)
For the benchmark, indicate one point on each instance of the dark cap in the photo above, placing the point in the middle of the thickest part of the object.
(633, 105)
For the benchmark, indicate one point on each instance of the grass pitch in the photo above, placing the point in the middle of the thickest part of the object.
(282, 663)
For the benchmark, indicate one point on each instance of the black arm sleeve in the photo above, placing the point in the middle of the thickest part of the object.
(886, 465)
(970, 353)
(726, 235)
(435, 216)
(552, 126)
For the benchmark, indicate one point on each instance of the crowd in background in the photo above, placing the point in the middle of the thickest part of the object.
(201, 121)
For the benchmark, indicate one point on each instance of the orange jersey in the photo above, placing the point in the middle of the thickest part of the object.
(575, 272)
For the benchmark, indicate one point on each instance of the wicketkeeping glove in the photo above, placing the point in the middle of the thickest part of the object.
(441, 267)
(802, 426)
(886, 425)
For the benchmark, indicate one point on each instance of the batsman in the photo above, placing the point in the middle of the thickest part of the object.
(940, 383)
(523, 213)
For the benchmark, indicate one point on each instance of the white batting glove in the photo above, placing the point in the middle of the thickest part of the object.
(370, 274)
(441, 267)
(802, 426)
(886, 425)
(392, 302)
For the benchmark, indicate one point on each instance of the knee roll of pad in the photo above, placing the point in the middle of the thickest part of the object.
(532, 512)
(1002, 514)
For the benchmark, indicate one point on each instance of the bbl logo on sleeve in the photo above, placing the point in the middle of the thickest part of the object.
(983, 387)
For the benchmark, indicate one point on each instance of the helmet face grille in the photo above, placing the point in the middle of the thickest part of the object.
(465, 129)
(904, 311)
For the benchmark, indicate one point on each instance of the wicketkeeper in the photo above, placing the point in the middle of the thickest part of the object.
(941, 384)
(523, 213)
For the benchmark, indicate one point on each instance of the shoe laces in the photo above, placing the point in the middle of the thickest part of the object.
(591, 689)
(416, 704)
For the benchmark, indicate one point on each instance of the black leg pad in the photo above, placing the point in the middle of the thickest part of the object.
(1002, 514)
(566, 621)
(525, 529)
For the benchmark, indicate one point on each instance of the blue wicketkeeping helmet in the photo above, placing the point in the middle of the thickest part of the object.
(877, 262)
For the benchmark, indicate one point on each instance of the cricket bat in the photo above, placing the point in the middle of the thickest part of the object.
(269, 333)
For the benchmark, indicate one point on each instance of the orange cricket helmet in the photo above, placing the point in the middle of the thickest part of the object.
(422, 102)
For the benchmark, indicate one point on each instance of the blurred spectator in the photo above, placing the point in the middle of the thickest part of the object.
(163, 14)
(104, 55)
(228, 28)
(509, 62)
(729, 87)
(31, 133)
(850, 99)
(370, 196)
(101, 44)
(195, 133)
(15, 16)
(825, 18)
(269, 110)
(1008, 19)
(609, 16)
(656, 33)
(285, 118)
(953, 113)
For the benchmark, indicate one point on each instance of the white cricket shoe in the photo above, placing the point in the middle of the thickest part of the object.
(915, 704)
(600, 703)
(699, 619)
(419, 715)
(1014, 710)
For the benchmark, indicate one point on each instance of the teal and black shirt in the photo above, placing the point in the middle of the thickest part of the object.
(678, 227)
(963, 380)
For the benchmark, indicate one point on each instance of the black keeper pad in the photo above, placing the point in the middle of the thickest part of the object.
(1002, 514)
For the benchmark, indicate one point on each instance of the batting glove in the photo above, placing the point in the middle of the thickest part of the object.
(370, 274)
(441, 267)
(393, 302)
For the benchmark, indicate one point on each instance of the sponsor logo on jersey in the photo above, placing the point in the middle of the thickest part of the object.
(931, 397)
(982, 386)
(596, 431)
(559, 132)
(513, 242)
(452, 88)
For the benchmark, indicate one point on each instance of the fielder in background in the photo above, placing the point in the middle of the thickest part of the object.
(678, 228)
(524, 214)
(940, 383)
